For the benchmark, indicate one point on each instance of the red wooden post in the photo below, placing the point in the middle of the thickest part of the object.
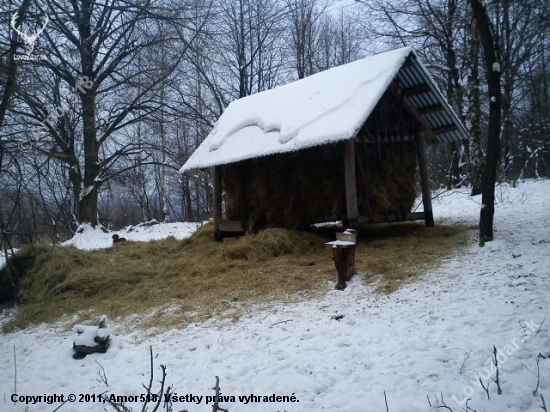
(344, 260)
(343, 254)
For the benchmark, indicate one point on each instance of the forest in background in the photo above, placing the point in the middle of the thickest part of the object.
(116, 95)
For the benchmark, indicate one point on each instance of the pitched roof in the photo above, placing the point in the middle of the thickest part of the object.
(326, 107)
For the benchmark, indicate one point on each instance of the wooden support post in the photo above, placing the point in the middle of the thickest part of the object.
(344, 260)
(343, 254)
(217, 207)
(351, 184)
(424, 181)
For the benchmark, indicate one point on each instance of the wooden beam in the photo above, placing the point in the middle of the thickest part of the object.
(416, 90)
(395, 139)
(427, 129)
(217, 200)
(402, 95)
(424, 181)
(445, 129)
(410, 217)
(351, 184)
(430, 109)
(234, 226)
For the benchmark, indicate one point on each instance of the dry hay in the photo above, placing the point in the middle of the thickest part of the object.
(386, 182)
(398, 253)
(192, 280)
(289, 190)
(198, 276)
(296, 189)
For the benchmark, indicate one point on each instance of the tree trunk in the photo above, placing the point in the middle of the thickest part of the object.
(87, 212)
(454, 91)
(492, 62)
(87, 206)
(473, 117)
(11, 67)
(453, 178)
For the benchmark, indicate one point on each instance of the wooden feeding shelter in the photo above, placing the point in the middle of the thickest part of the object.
(343, 144)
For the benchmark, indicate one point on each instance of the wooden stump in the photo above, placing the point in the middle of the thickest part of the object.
(344, 260)
(90, 339)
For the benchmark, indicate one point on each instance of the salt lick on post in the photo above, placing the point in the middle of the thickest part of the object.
(343, 144)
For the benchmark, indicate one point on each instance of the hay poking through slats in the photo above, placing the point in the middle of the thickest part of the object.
(294, 190)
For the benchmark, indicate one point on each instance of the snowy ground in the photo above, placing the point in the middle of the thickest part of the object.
(89, 238)
(341, 352)
(3, 256)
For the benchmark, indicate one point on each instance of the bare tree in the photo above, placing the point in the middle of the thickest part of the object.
(339, 41)
(304, 19)
(248, 40)
(96, 51)
(473, 117)
(436, 29)
(491, 51)
(521, 26)
(8, 65)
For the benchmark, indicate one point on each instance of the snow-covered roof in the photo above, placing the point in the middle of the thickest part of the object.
(326, 107)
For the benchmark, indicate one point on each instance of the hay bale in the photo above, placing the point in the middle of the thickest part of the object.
(294, 190)
(386, 179)
(289, 190)
(270, 243)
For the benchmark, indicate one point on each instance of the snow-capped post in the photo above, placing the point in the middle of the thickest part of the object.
(424, 181)
(343, 254)
(351, 184)
(217, 207)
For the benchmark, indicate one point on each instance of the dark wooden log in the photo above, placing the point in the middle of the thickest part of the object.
(410, 217)
(403, 96)
(351, 184)
(100, 342)
(417, 90)
(446, 129)
(101, 346)
(424, 182)
(227, 229)
(344, 260)
(431, 109)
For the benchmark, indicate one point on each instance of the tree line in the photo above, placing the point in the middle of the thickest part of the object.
(114, 96)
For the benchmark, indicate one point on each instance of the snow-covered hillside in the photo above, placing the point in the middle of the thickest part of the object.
(429, 340)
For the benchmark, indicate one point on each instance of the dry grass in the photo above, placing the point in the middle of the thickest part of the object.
(397, 254)
(198, 278)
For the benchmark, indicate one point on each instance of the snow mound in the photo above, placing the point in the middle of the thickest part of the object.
(86, 335)
(90, 238)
